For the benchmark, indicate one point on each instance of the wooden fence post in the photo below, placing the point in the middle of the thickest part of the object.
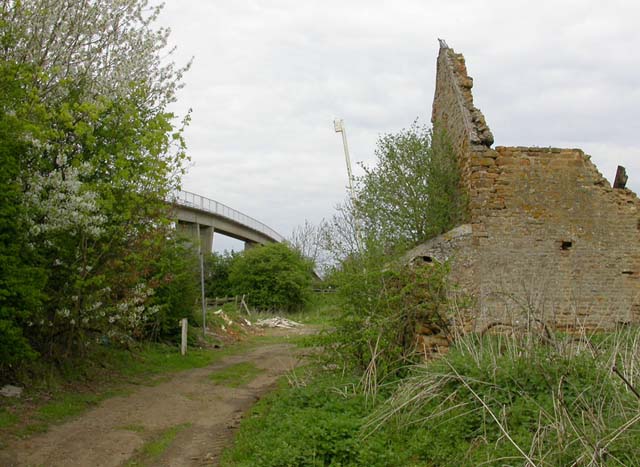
(243, 304)
(183, 342)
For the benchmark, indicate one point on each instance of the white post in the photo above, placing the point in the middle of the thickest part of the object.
(183, 342)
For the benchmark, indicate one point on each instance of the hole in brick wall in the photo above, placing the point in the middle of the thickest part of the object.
(566, 244)
(628, 273)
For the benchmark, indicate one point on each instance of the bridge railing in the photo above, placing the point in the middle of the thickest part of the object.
(192, 200)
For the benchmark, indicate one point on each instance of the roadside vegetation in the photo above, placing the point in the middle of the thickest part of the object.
(90, 153)
(372, 397)
(497, 400)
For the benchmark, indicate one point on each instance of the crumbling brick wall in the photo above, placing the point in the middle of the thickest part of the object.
(549, 236)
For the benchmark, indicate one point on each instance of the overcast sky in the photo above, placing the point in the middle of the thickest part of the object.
(269, 77)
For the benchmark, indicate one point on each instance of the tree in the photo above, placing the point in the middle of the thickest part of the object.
(107, 48)
(175, 280)
(413, 192)
(216, 279)
(340, 236)
(92, 152)
(274, 276)
(305, 239)
(21, 278)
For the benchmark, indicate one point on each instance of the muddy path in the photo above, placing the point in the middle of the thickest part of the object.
(203, 414)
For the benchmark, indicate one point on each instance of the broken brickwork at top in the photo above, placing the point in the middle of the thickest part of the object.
(548, 235)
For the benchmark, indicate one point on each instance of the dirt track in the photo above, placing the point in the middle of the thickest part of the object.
(110, 434)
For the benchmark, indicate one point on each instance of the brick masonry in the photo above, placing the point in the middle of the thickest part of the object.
(547, 236)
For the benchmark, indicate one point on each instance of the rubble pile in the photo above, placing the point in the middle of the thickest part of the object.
(277, 322)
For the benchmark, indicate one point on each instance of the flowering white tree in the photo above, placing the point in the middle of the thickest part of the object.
(99, 153)
(107, 48)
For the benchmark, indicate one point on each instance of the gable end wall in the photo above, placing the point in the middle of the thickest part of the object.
(550, 237)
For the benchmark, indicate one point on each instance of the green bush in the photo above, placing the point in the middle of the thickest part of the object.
(22, 277)
(14, 347)
(274, 277)
(177, 276)
(216, 270)
(89, 154)
(381, 303)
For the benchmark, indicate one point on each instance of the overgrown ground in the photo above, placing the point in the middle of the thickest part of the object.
(497, 400)
(522, 398)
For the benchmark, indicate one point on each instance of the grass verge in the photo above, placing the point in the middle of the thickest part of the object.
(491, 401)
(314, 418)
(7, 419)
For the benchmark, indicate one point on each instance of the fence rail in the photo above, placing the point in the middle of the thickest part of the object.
(192, 200)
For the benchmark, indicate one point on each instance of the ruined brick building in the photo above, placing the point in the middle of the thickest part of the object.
(547, 233)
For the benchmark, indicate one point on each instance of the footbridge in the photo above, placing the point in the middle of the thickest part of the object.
(201, 217)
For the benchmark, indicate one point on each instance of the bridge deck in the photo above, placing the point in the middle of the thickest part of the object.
(198, 203)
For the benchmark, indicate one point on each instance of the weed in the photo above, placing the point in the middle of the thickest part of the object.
(382, 305)
(513, 397)
(152, 450)
(7, 418)
(314, 422)
(236, 375)
(31, 429)
(67, 406)
(136, 428)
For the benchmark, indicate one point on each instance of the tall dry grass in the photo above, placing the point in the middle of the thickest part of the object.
(528, 397)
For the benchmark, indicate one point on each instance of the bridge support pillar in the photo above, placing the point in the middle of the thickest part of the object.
(249, 245)
(188, 229)
(206, 238)
(201, 235)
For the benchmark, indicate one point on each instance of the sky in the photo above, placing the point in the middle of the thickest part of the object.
(269, 76)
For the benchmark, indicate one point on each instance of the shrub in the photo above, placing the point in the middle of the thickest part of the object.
(178, 287)
(505, 398)
(216, 270)
(274, 277)
(381, 303)
(89, 153)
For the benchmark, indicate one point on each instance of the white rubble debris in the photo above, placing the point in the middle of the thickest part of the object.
(11, 391)
(224, 316)
(277, 322)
